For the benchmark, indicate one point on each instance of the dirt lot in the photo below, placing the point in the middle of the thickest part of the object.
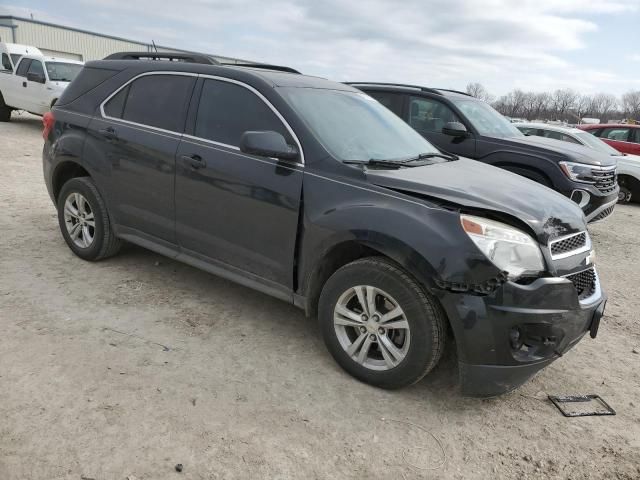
(127, 367)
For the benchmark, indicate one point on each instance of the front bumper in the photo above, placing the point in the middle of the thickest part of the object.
(506, 337)
(595, 205)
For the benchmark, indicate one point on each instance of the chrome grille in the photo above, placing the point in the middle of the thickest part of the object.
(605, 180)
(569, 245)
(603, 214)
(584, 283)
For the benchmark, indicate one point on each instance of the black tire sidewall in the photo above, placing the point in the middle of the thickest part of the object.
(420, 357)
(81, 185)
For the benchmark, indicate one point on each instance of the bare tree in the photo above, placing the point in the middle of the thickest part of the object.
(562, 101)
(631, 104)
(603, 105)
(477, 90)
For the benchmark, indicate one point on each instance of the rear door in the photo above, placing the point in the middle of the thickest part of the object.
(620, 138)
(234, 209)
(428, 116)
(135, 137)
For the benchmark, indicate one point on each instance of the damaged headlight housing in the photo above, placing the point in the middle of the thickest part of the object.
(578, 172)
(508, 248)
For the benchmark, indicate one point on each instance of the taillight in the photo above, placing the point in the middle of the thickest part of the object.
(48, 121)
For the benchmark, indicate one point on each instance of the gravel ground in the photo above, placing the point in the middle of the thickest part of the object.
(127, 367)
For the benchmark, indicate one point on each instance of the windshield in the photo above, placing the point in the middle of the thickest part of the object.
(594, 142)
(62, 71)
(354, 126)
(485, 119)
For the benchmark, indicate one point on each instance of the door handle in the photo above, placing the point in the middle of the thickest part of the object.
(109, 133)
(24, 84)
(194, 161)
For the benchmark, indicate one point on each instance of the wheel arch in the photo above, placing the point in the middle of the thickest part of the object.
(64, 172)
(369, 244)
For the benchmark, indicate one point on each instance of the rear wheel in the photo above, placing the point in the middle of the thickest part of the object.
(379, 324)
(84, 220)
(5, 110)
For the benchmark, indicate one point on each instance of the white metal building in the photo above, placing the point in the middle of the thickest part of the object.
(74, 43)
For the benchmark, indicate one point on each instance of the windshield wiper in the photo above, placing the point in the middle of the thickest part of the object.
(422, 156)
(374, 162)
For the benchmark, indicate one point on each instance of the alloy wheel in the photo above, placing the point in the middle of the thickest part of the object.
(79, 220)
(372, 327)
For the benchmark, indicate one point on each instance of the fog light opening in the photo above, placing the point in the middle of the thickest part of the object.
(581, 197)
(516, 338)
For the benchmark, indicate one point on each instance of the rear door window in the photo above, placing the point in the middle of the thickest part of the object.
(159, 101)
(618, 134)
(636, 137)
(23, 66)
(393, 101)
(227, 110)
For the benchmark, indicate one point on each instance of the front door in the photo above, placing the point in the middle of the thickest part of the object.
(428, 116)
(233, 208)
(136, 140)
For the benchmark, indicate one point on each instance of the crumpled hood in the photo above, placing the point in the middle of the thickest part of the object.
(476, 185)
(548, 147)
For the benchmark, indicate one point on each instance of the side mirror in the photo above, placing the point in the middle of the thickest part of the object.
(455, 129)
(267, 144)
(36, 77)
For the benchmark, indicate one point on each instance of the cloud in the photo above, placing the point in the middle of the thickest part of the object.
(528, 44)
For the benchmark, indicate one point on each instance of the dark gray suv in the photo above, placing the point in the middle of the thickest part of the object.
(311, 191)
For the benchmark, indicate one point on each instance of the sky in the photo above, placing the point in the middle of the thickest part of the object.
(540, 45)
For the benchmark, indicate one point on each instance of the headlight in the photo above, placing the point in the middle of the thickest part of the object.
(579, 172)
(508, 248)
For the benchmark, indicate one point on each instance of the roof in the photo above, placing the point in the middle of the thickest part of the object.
(548, 126)
(593, 126)
(46, 58)
(405, 87)
(242, 73)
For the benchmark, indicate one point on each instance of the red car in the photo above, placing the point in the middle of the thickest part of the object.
(624, 138)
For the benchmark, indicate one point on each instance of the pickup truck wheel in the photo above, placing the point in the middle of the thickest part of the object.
(624, 195)
(5, 110)
(379, 324)
(84, 220)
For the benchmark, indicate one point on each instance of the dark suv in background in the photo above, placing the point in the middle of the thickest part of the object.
(313, 192)
(459, 123)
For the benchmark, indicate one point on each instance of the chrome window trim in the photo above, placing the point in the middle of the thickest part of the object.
(213, 77)
(587, 246)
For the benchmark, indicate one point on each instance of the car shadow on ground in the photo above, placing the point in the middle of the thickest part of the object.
(191, 283)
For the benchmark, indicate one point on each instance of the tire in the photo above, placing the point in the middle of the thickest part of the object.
(98, 241)
(624, 195)
(422, 342)
(5, 110)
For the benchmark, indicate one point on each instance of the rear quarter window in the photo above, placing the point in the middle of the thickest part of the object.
(88, 79)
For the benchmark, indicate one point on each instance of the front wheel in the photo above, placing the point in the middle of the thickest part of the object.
(5, 110)
(84, 220)
(379, 324)
(624, 195)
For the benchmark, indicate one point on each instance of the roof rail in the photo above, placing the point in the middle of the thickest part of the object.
(265, 66)
(192, 58)
(454, 91)
(166, 56)
(404, 85)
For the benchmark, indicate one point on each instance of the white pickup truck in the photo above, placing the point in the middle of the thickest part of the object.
(32, 82)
